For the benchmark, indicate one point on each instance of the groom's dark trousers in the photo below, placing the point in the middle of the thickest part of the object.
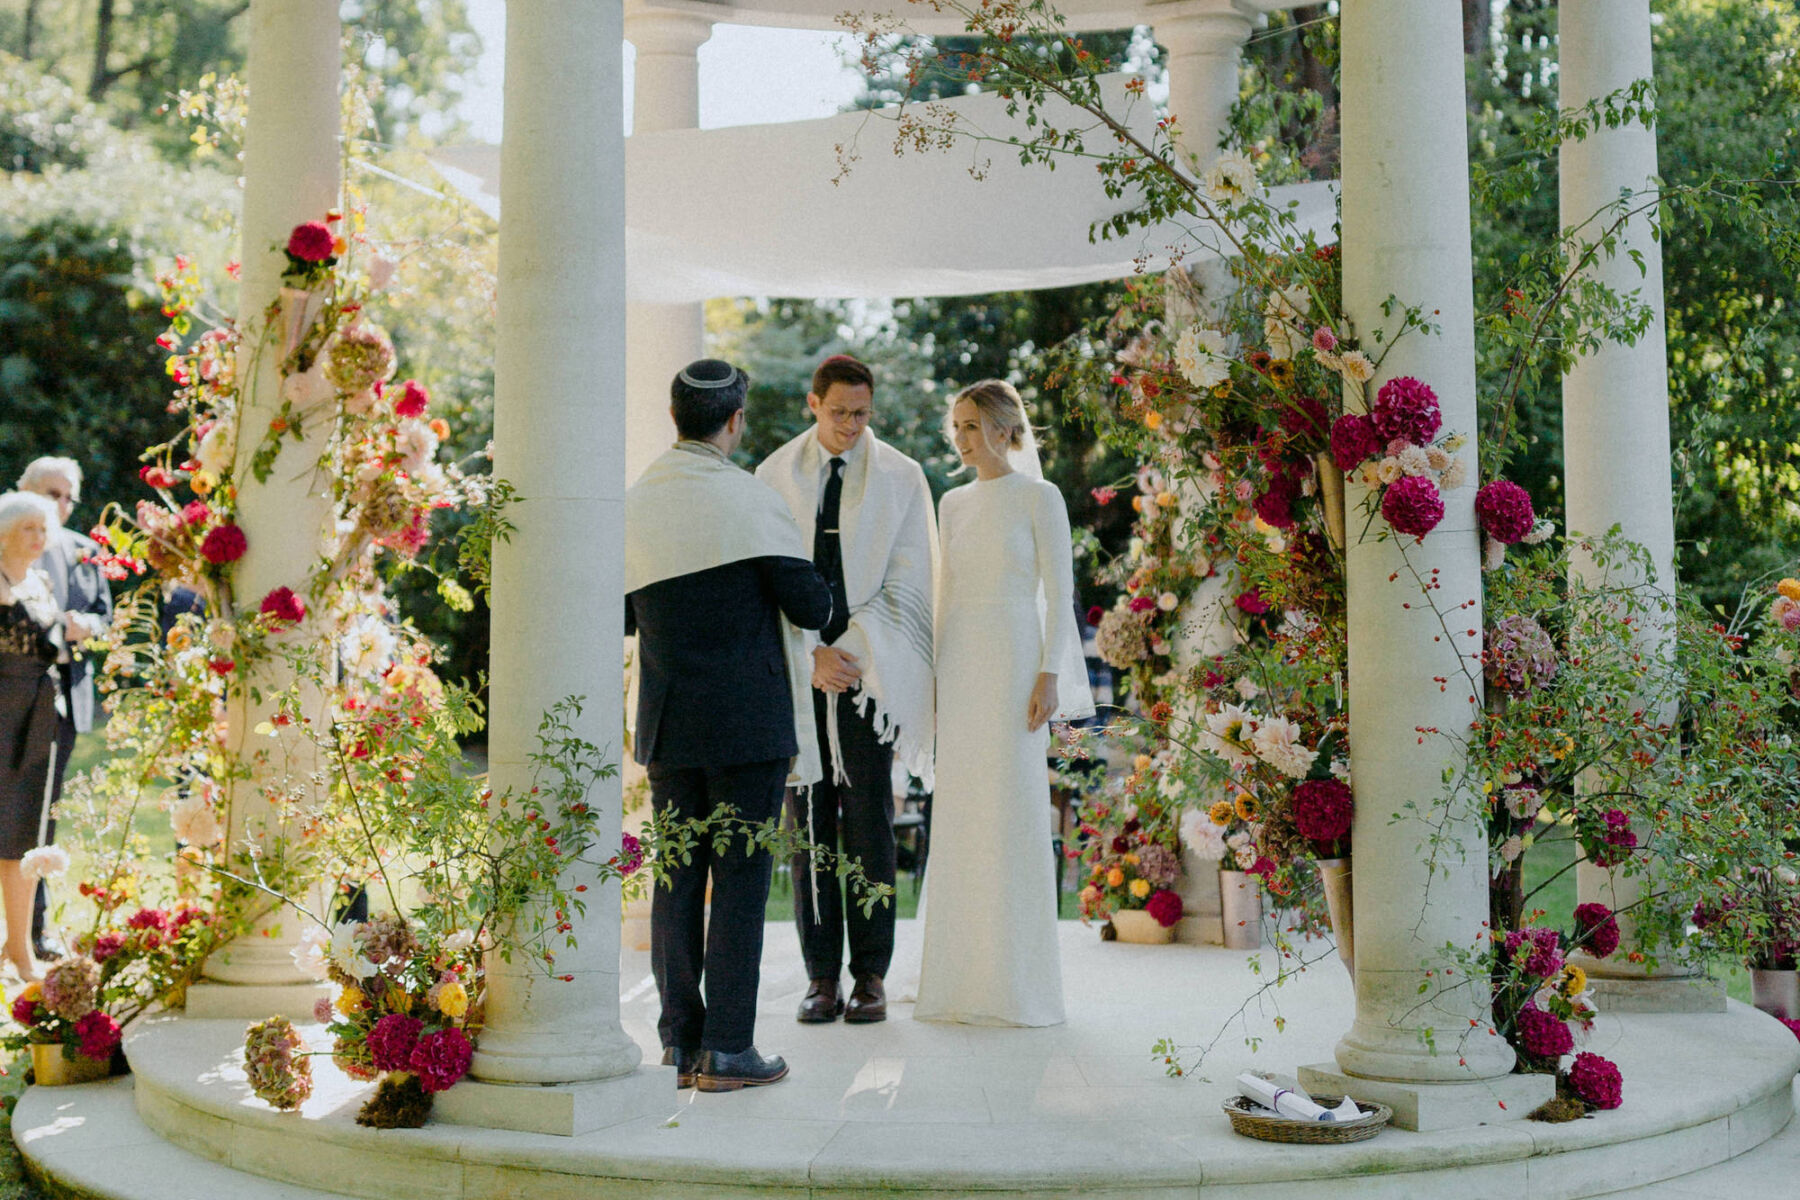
(860, 814)
(715, 726)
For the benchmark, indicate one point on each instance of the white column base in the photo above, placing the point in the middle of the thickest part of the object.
(1651, 993)
(561, 1109)
(1427, 1107)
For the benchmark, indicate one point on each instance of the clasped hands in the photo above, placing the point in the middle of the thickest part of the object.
(834, 670)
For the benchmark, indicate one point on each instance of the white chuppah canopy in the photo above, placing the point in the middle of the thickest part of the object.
(765, 210)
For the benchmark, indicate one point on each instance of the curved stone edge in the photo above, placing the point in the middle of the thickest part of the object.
(191, 1099)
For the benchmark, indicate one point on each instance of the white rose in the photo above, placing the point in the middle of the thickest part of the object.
(1414, 460)
(1356, 367)
(1200, 357)
(215, 452)
(1232, 179)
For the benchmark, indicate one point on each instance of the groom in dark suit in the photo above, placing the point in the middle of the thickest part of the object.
(715, 716)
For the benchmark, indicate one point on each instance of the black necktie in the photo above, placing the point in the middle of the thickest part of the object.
(828, 554)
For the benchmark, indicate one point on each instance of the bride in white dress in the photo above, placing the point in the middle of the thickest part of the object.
(1008, 663)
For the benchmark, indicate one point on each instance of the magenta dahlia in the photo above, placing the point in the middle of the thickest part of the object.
(223, 544)
(1597, 929)
(1406, 408)
(1538, 950)
(98, 1034)
(1504, 510)
(1596, 1080)
(311, 242)
(1353, 441)
(1165, 906)
(1412, 505)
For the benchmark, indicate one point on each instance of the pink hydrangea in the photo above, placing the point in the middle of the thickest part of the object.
(1504, 510)
(1412, 505)
(1596, 1081)
(441, 1058)
(1322, 809)
(98, 1034)
(107, 945)
(72, 987)
(392, 1040)
(322, 1012)
(1542, 1034)
(1353, 441)
(1596, 929)
(1406, 409)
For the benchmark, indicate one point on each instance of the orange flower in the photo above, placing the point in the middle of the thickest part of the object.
(1115, 878)
(1789, 588)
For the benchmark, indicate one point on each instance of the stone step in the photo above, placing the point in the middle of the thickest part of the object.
(87, 1142)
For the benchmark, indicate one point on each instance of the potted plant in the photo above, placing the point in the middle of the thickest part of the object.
(1133, 864)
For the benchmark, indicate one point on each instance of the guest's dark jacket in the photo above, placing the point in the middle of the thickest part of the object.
(80, 587)
(713, 685)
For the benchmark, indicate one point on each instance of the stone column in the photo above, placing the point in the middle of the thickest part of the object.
(1205, 40)
(1420, 876)
(291, 175)
(559, 435)
(1616, 407)
(660, 338)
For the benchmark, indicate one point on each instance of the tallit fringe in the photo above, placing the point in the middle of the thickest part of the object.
(915, 752)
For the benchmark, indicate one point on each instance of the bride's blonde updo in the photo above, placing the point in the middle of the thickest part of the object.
(1002, 413)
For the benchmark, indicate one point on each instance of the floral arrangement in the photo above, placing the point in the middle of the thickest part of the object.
(1545, 1009)
(1128, 843)
(1138, 635)
(64, 1009)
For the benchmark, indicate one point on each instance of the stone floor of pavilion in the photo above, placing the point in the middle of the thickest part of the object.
(938, 1111)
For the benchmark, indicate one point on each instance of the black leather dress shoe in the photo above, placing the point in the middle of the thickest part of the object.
(868, 1002)
(685, 1063)
(49, 950)
(721, 1072)
(823, 1003)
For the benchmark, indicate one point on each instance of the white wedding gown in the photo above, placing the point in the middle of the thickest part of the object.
(1005, 613)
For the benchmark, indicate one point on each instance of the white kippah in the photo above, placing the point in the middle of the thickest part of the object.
(708, 365)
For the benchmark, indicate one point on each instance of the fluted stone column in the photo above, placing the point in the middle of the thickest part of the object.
(1205, 41)
(1420, 876)
(291, 175)
(660, 338)
(559, 423)
(1616, 406)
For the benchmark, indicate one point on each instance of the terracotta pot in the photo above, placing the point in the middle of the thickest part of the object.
(1334, 874)
(1136, 925)
(1776, 992)
(53, 1070)
(1240, 900)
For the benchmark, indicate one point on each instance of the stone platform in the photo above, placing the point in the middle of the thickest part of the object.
(931, 1112)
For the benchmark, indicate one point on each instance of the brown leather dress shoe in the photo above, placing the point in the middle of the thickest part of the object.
(868, 1002)
(823, 1003)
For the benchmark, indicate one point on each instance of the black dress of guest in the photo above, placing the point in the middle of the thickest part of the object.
(28, 720)
(715, 725)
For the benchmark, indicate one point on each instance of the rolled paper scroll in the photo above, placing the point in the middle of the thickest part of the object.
(1290, 1101)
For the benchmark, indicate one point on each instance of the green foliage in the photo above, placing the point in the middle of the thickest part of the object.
(43, 121)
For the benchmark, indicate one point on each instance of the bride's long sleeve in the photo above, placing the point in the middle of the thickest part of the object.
(1061, 654)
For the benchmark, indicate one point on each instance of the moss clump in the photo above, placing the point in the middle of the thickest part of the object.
(398, 1103)
(1558, 1109)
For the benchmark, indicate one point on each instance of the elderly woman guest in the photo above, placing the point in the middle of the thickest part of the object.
(28, 706)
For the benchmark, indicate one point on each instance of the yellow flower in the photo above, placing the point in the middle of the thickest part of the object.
(1166, 500)
(1153, 420)
(1115, 878)
(399, 999)
(1246, 806)
(1140, 888)
(1131, 860)
(1281, 373)
(1137, 503)
(1573, 982)
(1789, 588)
(453, 999)
(1221, 813)
(202, 482)
(1223, 391)
(179, 638)
(31, 991)
(1141, 762)
(350, 1000)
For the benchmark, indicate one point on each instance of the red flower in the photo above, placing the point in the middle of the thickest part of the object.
(1412, 505)
(25, 1010)
(1596, 929)
(1504, 510)
(441, 1058)
(195, 512)
(1596, 1081)
(392, 1040)
(1095, 615)
(311, 242)
(223, 544)
(148, 918)
(282, 607)
(107, 945)
(1142, 604)
(1322, 809)
(221, 666)
(1544, 1035)
(1165, 906)
(1252, 602)
(413, 400)
(99, 1035)
(1353, 441)
(157, 477)
(1406, 408)
(1104, 495)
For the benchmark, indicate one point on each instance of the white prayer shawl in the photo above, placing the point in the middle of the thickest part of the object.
(691, 511)
(888, 534)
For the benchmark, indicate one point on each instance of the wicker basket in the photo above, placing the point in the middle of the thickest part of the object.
(1249, 1120)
